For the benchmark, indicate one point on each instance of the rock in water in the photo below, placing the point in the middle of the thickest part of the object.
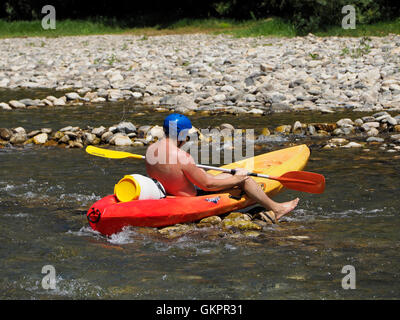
(5, 106)
(209, 221)
(5, 133)
(126, 127)
(122, 141)
(40, 138)
(352, 145)
(72, 96)
(99, 131)
(16, 104)
(18, 138)
(240, 224)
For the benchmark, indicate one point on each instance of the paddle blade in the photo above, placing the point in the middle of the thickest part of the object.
(302, 181)
(111, 154)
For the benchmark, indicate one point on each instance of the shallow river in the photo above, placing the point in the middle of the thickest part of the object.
(45, 192)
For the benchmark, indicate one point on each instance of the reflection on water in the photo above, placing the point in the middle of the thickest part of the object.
(44, 193)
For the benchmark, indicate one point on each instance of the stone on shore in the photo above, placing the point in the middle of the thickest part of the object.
(223, 74)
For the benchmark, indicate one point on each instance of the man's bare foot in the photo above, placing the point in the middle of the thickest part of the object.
(284, 208)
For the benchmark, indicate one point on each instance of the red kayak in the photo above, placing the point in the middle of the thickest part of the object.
(109, 216)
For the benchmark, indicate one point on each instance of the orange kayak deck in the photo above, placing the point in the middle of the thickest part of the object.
(109, 216)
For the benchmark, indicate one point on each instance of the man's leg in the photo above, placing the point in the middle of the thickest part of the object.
(254, 191)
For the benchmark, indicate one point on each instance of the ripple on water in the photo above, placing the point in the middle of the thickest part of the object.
(308, 215)
(16, 215)
(71, 288)
(82, 199)
(85, 232)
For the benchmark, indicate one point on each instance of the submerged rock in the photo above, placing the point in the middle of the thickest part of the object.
(237, 216)
(240, 224)
(209, 221)
(176, 230)
(338, 141)
(375, 139)
(270, 139)
(352, 145)
(251, 234)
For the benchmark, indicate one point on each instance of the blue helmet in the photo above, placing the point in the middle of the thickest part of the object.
(175, 123)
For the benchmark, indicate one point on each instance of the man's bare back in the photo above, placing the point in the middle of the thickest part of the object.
(164, 162)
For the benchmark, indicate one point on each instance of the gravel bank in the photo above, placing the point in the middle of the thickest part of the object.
(205, 72)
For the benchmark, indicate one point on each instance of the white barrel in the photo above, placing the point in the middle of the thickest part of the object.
(148, 188)
(138, 187)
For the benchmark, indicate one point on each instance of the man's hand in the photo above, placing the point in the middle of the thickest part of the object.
(241, 175)
(241, 172)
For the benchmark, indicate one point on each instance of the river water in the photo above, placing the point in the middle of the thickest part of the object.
(45, 192)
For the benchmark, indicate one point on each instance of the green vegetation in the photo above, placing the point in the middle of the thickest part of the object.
(314, 56)
(63, 28)
(378, 29)
(297, 17)
(362, 49)
(111, 59)
(267, 27)
(249, 28)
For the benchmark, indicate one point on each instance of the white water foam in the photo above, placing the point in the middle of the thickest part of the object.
(319, 213)
(74, 288)
(8, 187)
(83, 199)
(84, 232)
(17, 215)
(122, 237)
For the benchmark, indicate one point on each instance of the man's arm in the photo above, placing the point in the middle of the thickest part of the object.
(207, 181)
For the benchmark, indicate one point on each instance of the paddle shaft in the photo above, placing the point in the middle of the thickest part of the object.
(231, 171)
(253, 174)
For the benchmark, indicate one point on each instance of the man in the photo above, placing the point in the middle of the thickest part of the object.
(176, 170)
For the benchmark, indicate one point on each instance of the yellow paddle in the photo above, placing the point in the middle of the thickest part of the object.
(111, 154)
(297, 180)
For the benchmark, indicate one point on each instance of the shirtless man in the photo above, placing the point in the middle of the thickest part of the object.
(176, 170)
